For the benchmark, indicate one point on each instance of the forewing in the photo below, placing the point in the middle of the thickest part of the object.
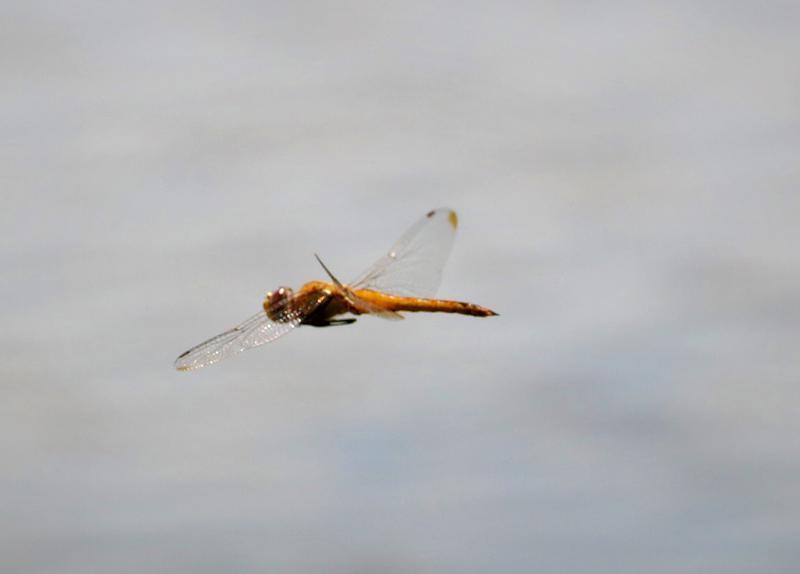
(413, 267)
(255, 331)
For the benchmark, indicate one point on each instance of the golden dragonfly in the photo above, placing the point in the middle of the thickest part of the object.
(405, 279)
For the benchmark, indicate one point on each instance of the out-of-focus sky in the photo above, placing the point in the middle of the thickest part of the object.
(626, 176)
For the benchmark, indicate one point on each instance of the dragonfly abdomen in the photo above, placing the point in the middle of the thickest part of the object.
(417, 304)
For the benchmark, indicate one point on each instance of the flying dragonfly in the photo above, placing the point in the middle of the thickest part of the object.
(403, 280)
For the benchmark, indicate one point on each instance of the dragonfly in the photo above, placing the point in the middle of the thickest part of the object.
(403, 280)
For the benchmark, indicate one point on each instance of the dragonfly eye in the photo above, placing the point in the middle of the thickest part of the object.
(276, 300)
(279, 296)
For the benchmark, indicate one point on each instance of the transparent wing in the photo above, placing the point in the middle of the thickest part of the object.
(413, 266)
(255, 331)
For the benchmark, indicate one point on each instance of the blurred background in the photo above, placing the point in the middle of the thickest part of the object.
(626, 176)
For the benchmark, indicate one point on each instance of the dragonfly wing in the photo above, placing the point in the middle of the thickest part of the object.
(413, 267)
(257, 330)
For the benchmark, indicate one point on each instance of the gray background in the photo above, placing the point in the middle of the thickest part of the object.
(627, 180)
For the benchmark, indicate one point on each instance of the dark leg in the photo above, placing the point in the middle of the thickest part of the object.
(336, 323)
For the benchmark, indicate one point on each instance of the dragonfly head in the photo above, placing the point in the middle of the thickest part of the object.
(277, 300)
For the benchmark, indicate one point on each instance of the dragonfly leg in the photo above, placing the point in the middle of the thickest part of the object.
(336, 323)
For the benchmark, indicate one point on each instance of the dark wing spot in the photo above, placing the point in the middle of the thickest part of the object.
(430, 213)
